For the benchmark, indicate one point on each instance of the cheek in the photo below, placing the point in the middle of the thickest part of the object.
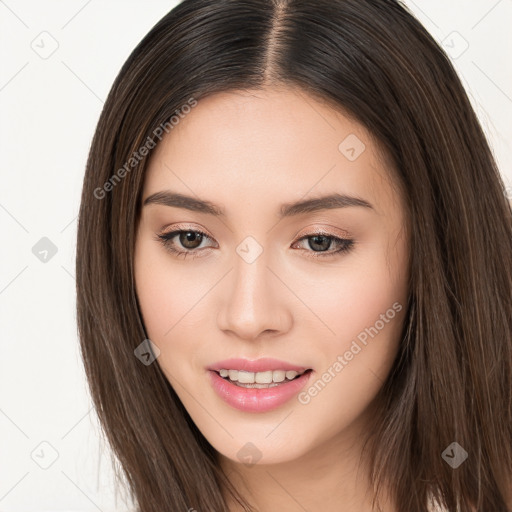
(363, 306)
(154, 292)
(352, 297)
(171, 300)
(366, 311)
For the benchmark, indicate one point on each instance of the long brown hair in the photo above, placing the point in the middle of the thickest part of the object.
(452, 379)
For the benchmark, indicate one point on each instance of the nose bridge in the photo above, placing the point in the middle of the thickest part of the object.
(253, 302)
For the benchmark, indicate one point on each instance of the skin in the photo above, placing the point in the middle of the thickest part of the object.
(249, 152)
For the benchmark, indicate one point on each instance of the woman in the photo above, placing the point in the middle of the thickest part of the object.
(294, 278)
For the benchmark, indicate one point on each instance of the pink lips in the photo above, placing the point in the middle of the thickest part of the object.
(254, 399)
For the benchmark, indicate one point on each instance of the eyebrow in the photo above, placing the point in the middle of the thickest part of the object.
(327, 202)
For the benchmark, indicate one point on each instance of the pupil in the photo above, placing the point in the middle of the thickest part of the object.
(314, 242)
(187, 239)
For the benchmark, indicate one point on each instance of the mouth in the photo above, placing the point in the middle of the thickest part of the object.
(254, 396)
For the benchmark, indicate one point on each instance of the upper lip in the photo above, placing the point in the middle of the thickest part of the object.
(258, 365)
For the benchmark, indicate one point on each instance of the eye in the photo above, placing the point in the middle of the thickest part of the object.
(190, 241)
(321, 242)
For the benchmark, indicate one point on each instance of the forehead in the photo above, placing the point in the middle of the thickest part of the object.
(267, 144)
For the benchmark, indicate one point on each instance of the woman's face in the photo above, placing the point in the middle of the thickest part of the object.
(259, 283)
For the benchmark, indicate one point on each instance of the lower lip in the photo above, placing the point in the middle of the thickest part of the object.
(257, 400)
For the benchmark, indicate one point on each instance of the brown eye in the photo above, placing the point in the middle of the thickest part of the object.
(190, 239)
(188, 242)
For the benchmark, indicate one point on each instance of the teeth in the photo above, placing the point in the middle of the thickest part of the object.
(278, 375)
(267, 377)
(263, 377)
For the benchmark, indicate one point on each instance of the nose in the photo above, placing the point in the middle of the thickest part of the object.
(253, 301)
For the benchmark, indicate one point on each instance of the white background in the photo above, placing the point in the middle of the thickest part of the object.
(49, 109)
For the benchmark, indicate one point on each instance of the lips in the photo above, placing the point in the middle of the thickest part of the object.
(257, 400)
(258, 365)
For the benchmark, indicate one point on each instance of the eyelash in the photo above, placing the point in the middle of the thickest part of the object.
(165, 239)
